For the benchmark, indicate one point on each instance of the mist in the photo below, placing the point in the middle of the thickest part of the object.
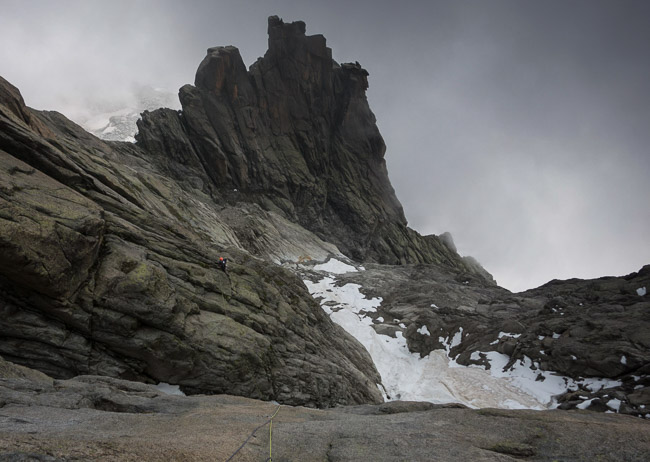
(520, 127)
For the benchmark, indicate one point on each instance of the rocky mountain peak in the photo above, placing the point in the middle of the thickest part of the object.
(294, 134)
(219, 70)
(109, 258)
(287, 39)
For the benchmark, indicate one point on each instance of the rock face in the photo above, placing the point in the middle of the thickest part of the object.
(109, 267)
(296, 135)
(98, 418)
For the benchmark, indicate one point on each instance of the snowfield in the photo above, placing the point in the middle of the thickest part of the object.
(437, 377)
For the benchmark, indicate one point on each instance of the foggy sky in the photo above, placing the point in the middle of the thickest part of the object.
(521, 127)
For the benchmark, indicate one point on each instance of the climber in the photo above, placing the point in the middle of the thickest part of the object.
(223, 263)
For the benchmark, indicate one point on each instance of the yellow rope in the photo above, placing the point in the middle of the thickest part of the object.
(271, 435)
(270, 421)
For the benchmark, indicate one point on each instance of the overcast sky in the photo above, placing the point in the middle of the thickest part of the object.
(521, 127)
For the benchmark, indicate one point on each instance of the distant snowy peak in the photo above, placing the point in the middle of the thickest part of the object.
(119, 123)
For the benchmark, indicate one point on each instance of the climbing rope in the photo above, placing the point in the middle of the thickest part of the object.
(270, 459)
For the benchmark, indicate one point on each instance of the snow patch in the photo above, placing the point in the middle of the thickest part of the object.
(623, 360)
(169, 389)
(454, 342)
(585, 404)
(505, 334)
(522, 375)
(641, 291)
(596, 385)
(334, 266)
(556, 335)
(424, 331)
(347, 296)
(614, 404)
(437, 377)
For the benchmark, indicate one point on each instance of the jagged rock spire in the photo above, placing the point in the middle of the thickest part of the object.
(295, 133)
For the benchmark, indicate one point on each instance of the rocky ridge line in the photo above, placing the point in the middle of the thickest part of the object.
(294, 134)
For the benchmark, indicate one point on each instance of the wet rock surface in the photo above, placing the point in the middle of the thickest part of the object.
(98, 418)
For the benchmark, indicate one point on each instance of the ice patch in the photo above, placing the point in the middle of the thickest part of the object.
(556, 335)
(623, 360)
(424, 331)
(540, 337)
(641, 291)
(334, 266)
(169, 389)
